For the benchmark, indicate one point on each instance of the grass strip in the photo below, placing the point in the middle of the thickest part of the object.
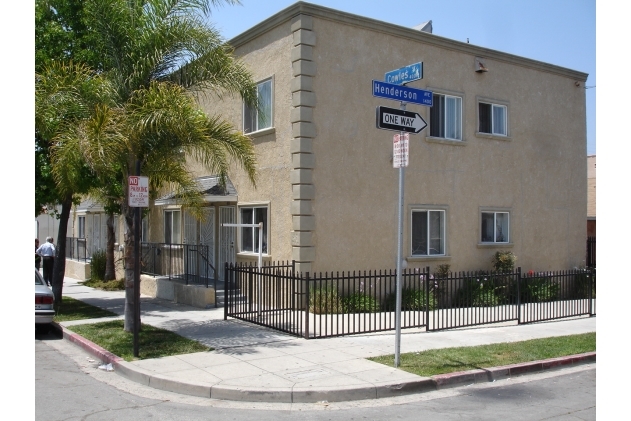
(72, 309)
(449, 360)
(114, 285)
(153, 342)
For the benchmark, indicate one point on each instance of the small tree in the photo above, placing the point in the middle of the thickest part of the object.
(504, 261)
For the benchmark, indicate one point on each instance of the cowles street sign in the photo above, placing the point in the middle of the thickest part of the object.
(399, 120)
(405, 74)
(138, 191)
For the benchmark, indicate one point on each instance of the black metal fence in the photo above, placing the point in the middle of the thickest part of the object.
(334, 304)
(190, 264)
(76, 249)
(590, 260)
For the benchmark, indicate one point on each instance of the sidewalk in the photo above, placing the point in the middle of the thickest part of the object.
(252, 363)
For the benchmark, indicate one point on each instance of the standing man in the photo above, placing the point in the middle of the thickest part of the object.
(47, 251)
(38, 258)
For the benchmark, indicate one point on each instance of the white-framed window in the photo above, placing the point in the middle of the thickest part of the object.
(495, 227)
(428, 232)
(172, 227)
(81, 233)
(492, 118)
(250, 236)
(261, 118)
(445, 117)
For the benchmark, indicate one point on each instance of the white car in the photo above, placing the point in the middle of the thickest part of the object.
(44, 300)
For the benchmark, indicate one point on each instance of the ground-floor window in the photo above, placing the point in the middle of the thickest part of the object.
(495, 227)
(250, 236)
(428, 232)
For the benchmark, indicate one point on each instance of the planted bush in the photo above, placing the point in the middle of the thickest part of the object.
(411, 300)
(97, 265)
(479, 291)
(360, 302)
(504, 261)
(324, 300)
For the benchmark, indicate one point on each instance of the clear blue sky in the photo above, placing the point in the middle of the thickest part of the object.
(560, 32)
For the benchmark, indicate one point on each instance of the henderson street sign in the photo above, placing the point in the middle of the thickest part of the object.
(399, 120)
(401, 93)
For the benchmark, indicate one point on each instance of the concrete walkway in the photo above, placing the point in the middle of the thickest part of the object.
(252, 363)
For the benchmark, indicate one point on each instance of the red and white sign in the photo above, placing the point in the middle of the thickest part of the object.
(400, 155)
(138, 191)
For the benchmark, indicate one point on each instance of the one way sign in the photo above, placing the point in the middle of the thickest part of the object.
(399, 120)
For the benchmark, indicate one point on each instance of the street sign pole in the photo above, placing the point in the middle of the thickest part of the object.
(137, 272)
(397, 343)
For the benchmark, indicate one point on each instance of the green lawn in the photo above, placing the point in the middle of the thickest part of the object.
(153, 342)
(72, 309)
(449, 360)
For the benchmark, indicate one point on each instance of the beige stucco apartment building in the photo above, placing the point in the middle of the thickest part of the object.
(500, 166)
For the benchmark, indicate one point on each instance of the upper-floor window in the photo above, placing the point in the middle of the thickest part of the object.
(258, 119)
(172, 227)
(445, 117)
(492, 119)
(495, 227)
(250, 235)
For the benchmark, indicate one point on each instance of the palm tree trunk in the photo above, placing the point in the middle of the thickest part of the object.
(110, 271)
(59, 267)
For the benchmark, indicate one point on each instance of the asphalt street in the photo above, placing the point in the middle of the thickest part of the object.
(70, 386)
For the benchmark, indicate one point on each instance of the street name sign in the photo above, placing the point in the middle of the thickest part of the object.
(405, 74)
(400, 150)
(401, 93)
(138, 191)
(399, 120)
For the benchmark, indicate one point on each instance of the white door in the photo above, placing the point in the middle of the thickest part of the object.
(207, 238)
(227, 238)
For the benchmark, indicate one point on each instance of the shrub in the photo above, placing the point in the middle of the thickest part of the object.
(360, 302)
(97, 265)
(479, 291)
(411, 300)
(443, 271)
(324, 300)
(539, 290)
(504, 261)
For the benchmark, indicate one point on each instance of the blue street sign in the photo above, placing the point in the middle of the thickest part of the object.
(405, 74)
(401, 93)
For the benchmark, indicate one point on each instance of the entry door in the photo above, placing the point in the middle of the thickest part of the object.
(191, 260)
(227, 238)
(96, 232)
(207, 238)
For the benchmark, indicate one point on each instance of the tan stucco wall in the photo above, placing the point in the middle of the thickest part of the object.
(591, 186)
(539, 173)
(267, 56)
(327, 173)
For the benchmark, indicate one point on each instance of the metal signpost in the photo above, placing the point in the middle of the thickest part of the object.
(138, 188)
(405, 122)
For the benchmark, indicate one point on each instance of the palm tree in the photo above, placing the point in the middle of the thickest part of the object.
(66, 95)
(158, 54)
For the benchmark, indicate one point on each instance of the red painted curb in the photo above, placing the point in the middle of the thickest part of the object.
(89, 346)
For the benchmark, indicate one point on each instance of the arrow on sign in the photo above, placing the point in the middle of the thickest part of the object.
(399, 120)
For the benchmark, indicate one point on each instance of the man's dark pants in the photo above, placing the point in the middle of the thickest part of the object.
(47, 266)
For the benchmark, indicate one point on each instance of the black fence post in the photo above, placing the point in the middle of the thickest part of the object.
(426, 287)
(226, 289)
(306, 286)
(518, 295)
(590, 285)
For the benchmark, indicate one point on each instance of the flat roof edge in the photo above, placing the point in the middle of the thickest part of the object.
(299, 8)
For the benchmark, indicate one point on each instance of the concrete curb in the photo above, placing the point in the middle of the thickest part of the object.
(502, 372)
(330, 394)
